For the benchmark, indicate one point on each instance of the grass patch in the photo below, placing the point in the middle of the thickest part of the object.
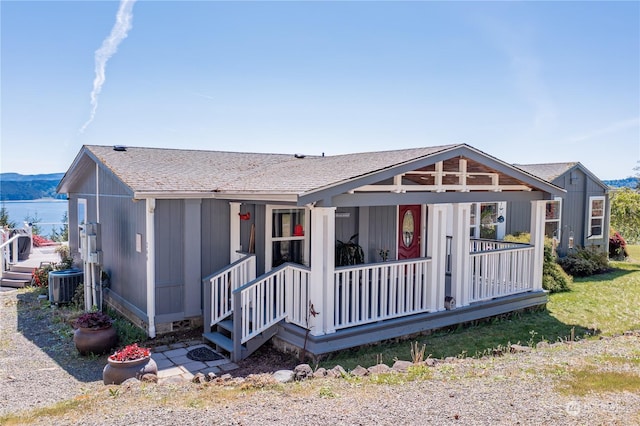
(606, 303)
(56, 410)
(580, 382)
(619, 360)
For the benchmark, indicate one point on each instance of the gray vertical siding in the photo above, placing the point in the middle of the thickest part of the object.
(260, 237)
(518, 217)
(382, 232)
(120, 220)
(170, 243)
(347, 226)
(215, 236)
(575, 208)
(575, 211)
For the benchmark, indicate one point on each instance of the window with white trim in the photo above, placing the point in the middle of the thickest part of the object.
(287, 236)
(596, 217)
(82, 219)
(553, 219)
(488, 220)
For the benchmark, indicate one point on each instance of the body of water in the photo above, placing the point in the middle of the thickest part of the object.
(49, 213)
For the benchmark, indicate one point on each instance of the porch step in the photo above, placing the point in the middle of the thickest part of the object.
(21, 269)
(221, 341)
(15, 279)
(226, 325)
(15, 283)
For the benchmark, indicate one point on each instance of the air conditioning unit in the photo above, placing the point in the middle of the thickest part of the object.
(63, 284)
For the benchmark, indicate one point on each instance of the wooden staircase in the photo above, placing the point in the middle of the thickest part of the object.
(223, 335)
(16, 277)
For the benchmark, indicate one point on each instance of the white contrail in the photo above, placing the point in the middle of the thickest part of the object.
(106, 51)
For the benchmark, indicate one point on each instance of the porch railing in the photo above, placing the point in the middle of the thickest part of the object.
(8, 251)
(281, 293)
(488, 245)
(223, 283)
(374, 292)
(500, 271)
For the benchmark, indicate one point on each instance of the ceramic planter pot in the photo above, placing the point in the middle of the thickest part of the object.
(116, 372)
(95, 340)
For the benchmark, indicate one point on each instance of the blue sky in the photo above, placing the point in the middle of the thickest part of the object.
(527, 82)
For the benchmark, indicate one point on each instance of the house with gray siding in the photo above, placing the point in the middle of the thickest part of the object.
(578, 218)
(244, 244)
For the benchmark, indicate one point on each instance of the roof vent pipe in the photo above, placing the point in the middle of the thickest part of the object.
(119, 148)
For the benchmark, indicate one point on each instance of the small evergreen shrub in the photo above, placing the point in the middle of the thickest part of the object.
(584, 262)
(554, 278)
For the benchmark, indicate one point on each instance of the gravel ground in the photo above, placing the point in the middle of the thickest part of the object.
(40, 369)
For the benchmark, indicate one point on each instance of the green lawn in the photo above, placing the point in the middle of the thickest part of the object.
(602, 304)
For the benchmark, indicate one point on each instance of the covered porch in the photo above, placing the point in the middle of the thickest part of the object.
(323, 307)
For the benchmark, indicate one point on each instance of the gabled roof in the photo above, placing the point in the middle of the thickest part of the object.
(552, 171)
(547, 171)
(153, 171)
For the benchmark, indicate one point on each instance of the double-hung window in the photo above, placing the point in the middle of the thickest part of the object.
(287, 236)
(553, 219)
(596, 217)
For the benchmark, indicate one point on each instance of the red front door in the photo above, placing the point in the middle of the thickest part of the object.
(409, 232)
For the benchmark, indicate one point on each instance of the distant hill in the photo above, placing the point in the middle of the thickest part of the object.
(14, 186)
(630, 182)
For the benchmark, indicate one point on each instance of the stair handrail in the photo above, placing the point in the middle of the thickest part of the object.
(4, 249)
(219, 300)
(241, 332)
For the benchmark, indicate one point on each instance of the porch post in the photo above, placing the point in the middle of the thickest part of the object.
(436, 250)
(321, 293)
(538, 210)
(234, 231)
(460, 280)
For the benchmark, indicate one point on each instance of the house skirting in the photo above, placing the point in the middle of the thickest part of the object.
(164, 323)
(291, 338)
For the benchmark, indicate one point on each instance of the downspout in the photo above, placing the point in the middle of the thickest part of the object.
(151, 266)
(93, 265)
(97, 193)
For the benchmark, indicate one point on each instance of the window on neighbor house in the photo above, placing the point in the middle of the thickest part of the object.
(596, 217)
(552, 219)
(288, 236)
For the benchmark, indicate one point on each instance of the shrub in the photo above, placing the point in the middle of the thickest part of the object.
(93, 320)
(617, 246)
(554, 278)
(584, 262)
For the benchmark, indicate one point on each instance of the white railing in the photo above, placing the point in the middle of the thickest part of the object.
(500, 272)
(281, 293)
(370, 293)
(219, 287)
(490, 245)
(8, 251)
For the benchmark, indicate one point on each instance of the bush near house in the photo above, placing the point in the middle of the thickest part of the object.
(617, 246)
(583, 262)
(554, 278)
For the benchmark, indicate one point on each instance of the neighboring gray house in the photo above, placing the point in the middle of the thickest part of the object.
(245, 243)
(580, 217)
